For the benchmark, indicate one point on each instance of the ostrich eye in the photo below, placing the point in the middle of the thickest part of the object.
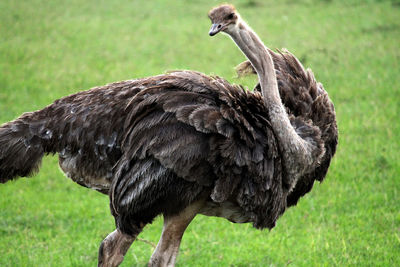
(230, 16)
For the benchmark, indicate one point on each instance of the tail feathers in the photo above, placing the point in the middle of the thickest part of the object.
(21, 151)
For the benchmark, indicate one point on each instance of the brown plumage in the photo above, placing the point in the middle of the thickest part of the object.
(183, 143)
(304, 99)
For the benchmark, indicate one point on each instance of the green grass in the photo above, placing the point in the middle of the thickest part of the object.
(49, 49)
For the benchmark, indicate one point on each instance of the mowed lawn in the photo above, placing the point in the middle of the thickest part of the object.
(49, 49)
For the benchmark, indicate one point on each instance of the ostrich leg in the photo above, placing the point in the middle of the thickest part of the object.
(113, 248)
(174, 226)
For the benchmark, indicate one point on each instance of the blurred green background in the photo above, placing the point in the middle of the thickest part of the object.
(49, 49)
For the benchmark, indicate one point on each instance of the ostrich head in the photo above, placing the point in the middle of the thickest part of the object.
(223, 18)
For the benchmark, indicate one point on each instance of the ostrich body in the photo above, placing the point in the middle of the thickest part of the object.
(184, 143)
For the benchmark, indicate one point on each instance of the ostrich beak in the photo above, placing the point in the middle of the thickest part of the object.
(215, 28)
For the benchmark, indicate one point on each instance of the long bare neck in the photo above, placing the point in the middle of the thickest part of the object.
(254, 49)
(297, 152)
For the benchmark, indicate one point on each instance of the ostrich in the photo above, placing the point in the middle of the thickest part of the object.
(183, 143)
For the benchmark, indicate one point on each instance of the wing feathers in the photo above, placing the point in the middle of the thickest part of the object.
(205, 131)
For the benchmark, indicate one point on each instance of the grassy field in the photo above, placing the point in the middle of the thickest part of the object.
(49, 49)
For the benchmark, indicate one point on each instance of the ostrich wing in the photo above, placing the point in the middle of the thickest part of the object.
(305, 100)
(208, 134)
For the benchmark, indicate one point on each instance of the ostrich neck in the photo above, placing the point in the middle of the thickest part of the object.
(296, 151)
(254, 49)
